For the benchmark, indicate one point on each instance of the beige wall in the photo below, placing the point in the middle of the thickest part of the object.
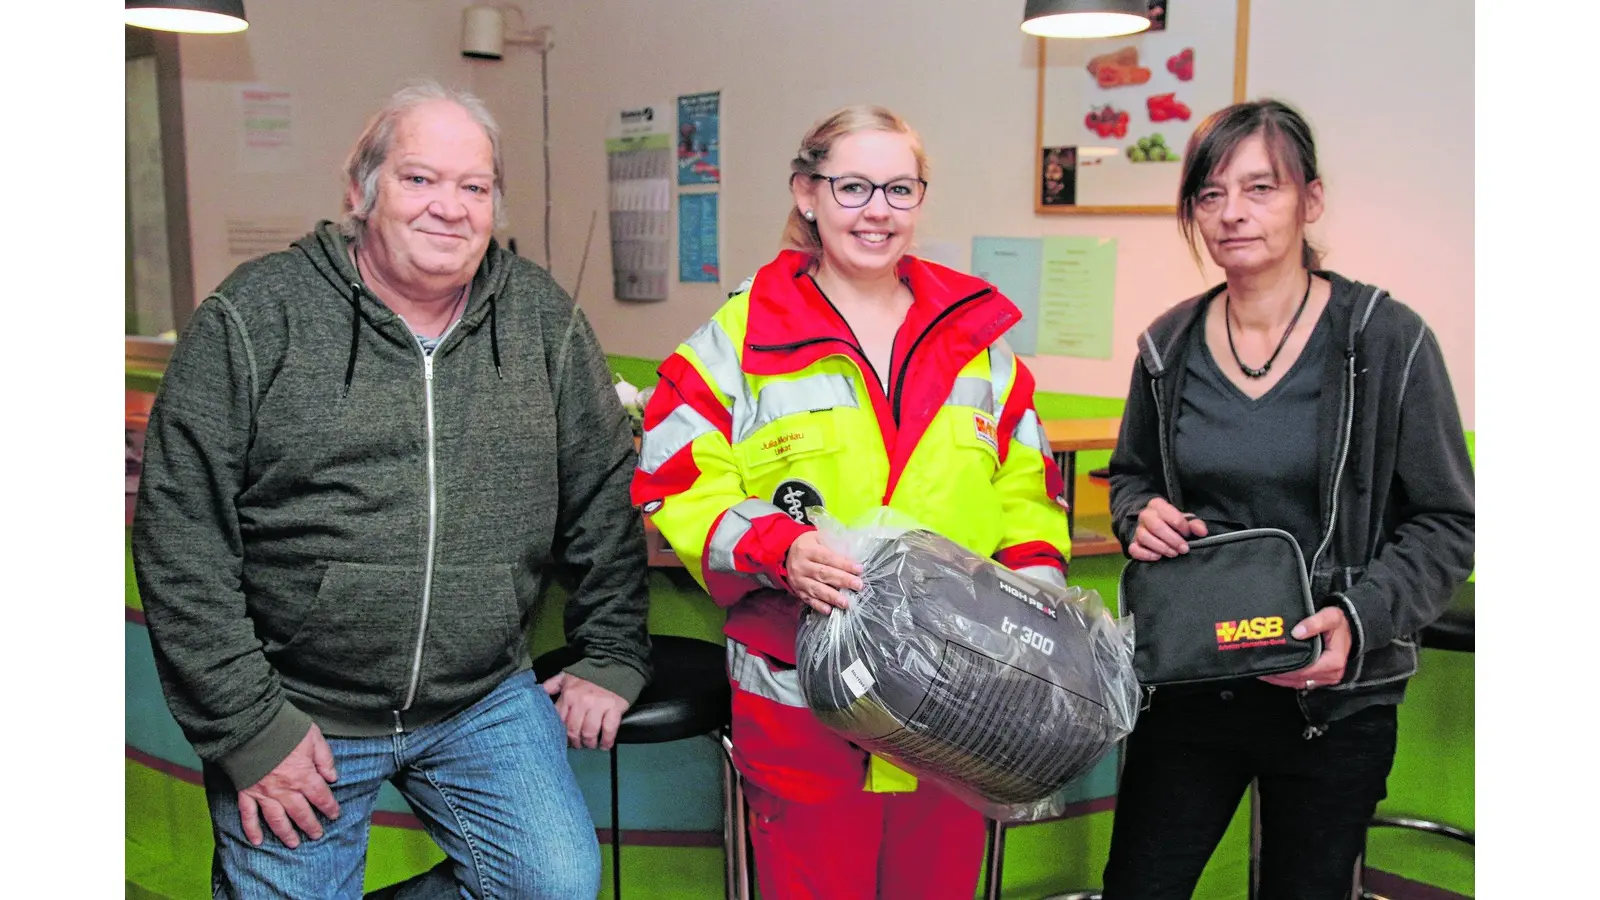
(1388, 87)
(341, 58)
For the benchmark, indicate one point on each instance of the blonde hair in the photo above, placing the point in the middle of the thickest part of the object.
(814, 147)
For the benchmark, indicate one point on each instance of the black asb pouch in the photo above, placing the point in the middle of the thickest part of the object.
(1223, 610)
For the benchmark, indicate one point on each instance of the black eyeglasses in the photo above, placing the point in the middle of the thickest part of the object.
(854, 192)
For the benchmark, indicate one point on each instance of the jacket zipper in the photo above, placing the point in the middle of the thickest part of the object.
(427, 565)
(1333, 506)
(905, 365)
(1344, 453)
(1166, 472)
(1161, 437)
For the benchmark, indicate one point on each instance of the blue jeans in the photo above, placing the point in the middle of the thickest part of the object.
(1188, 762)
(491, 784)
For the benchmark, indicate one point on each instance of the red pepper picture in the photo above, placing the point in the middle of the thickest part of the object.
(1165, 106)
(1181, 64)
(1107, 122)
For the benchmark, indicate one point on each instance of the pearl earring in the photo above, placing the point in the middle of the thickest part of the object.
(809, 216)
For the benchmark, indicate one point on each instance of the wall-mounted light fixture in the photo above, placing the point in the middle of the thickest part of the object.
(484, 33)
(194, 16)
(1085, 18)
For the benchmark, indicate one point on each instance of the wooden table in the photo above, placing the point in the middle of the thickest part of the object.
(1067, 437)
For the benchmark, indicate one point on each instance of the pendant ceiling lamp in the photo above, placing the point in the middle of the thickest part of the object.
(1085, 18)
(193, 16)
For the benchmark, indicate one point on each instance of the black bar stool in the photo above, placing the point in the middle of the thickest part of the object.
(689, 696)
(1453, 631)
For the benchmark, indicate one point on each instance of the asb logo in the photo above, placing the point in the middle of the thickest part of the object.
(1261, 631)
(794, 497)
(985, 429)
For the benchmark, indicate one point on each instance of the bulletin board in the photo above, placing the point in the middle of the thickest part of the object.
(1115, 113)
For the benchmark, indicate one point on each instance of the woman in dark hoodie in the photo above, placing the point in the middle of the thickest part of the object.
(1292, 397)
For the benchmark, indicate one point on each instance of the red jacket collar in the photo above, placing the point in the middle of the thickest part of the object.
(787, 310)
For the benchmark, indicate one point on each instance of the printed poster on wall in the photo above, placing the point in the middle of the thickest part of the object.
(639, 175)
(699, 127)
(1064, 286)
(1012, 265)
(1077, 292)
(697, 238)
(266, 129)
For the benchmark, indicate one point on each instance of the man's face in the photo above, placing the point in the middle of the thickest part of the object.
(435, 209)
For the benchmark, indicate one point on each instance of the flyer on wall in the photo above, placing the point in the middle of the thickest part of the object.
(699, 137)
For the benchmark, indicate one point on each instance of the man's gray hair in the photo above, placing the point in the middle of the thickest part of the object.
(377, 139)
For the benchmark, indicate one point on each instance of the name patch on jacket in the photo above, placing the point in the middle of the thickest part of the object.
(794, 497)
(986, 431)
(785, 443)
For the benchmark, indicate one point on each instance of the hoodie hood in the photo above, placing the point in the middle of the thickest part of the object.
(328, 251)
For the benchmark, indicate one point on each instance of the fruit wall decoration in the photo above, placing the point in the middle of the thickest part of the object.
(1120, 69)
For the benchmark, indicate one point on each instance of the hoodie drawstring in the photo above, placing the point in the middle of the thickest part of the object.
(355, 336)
(355, 332)
(494, 335)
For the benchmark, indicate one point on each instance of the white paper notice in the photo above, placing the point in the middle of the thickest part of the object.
(253, 236)
(266, 129)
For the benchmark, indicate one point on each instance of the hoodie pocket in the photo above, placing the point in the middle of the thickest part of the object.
(474, 630)
(358, 634)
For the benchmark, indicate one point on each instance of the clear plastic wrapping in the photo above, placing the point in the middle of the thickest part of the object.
(956, 669)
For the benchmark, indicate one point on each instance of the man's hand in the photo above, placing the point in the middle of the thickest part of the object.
(590, 712)
(1334, 626)
(285, 796)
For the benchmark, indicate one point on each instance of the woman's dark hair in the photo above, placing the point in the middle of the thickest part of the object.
(1211, 147)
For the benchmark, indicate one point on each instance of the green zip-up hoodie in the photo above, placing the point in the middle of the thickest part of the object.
(333, 528)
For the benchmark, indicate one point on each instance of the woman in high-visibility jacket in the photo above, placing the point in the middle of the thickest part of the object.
(847, 375)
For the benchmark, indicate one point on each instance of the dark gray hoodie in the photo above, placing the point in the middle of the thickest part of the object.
(333, 528)
(1396, 498)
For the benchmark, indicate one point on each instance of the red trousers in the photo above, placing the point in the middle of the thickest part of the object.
(817, 834)
(922, 845)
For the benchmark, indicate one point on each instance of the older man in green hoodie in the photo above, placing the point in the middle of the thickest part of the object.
(369, 454)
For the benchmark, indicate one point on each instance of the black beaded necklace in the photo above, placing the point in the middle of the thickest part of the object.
(1227, 323)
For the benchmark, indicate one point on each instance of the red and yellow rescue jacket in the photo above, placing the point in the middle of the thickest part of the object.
(772, 407)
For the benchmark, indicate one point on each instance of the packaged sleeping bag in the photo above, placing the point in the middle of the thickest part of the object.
(951, 666)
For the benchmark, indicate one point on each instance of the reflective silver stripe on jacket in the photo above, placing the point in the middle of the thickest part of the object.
(734, 526)
(976, 392)
(1002, 367)
(720, 358)
(670, 435)
(1044, 574)
(753, 674)
(785, 398)
(1030, 431)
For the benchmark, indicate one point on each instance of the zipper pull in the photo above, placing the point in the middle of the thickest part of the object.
(1149, 697)
(1313, 731)
(427, 367)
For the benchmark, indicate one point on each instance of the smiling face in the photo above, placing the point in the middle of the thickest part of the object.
(434, 214)
(1251, 215)
(867, 241)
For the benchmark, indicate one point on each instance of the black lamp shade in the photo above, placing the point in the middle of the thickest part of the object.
(195, 16)
(1085, 18)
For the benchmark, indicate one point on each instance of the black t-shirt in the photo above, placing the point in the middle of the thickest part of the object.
(1253, 462)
